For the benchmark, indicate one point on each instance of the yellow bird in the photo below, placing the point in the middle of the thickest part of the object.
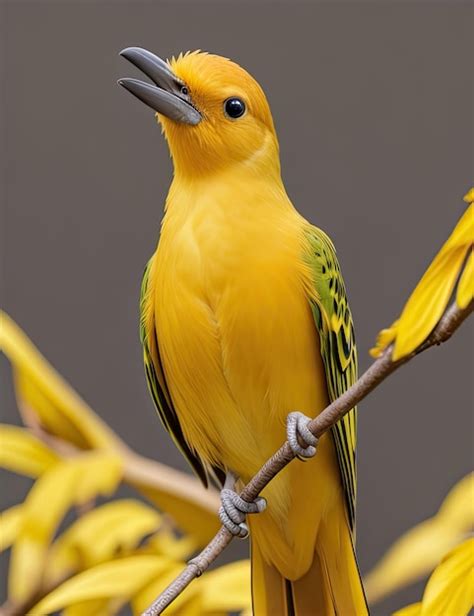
(246, 332)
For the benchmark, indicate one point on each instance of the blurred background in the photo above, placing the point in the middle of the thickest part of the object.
(373, 106)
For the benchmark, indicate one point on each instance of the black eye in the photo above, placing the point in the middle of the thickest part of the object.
(184, 90)
(234, 107)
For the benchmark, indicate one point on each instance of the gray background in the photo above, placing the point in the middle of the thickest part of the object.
(373, 107)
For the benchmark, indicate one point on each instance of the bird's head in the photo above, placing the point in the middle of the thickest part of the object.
(213, 113)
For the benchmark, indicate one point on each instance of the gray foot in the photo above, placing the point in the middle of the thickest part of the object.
(297, 432)
(234, 509)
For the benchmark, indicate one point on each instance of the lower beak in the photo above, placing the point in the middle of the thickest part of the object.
(166, 95)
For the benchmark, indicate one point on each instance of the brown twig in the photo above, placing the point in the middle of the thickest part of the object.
(372, 377)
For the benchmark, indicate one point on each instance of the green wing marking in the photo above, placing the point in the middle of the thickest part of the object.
(159, 391)
(338, 350)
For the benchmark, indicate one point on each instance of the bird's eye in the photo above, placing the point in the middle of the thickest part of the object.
(234, 107)
(184, 90)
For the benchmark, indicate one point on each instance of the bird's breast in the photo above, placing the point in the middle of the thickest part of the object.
(235, 331)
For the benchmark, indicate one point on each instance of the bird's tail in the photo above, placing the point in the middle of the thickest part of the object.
(331, 587)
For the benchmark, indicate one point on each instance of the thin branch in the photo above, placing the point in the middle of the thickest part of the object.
(146, 472)
(376, 373)
(138, 470)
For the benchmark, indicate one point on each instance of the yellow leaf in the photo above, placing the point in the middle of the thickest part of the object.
(384, 339)
(168, 544)
(457, 509)
(23, 453)
(9, 525)
(59, 408)
(450, 589)
(67, 483)
(99, 535)
(427, 303)
(412, 556)
(94, 607)
(62, 412)
(419, 550)
(410, 610)
(227, 589)
(465, 291)
(469, 197)
(119, 579)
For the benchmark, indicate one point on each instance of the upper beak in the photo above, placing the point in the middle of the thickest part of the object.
(165, 97)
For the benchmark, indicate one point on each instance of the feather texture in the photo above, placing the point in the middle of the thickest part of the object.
(334, 323)
(159, 390)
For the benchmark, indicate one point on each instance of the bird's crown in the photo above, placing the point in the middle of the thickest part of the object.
(213, 112)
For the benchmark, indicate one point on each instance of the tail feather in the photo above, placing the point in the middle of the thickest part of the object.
(269, 589)
(331, 587)
(312, 593)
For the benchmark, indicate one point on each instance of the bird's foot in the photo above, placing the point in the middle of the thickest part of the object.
(234, 508)
(302, 441)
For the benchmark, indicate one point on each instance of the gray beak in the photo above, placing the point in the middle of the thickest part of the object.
(169, 95)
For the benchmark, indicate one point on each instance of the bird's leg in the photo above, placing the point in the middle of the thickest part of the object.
(303, 443)
(233, 508)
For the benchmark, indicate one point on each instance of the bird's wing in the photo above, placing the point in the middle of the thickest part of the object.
(338, 350)
(157, 385)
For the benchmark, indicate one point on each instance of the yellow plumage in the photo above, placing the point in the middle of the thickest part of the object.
(230, 330)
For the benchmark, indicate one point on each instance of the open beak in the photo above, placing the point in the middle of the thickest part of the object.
(168, 96)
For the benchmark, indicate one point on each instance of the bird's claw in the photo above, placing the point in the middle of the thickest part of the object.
(297, 432)
(233, 510)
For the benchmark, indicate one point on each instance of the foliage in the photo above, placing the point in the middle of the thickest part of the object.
(110, 553)
(424, 308)
(450, 589)
(420, 550)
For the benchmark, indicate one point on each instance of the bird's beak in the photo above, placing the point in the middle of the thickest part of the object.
(168, 96)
